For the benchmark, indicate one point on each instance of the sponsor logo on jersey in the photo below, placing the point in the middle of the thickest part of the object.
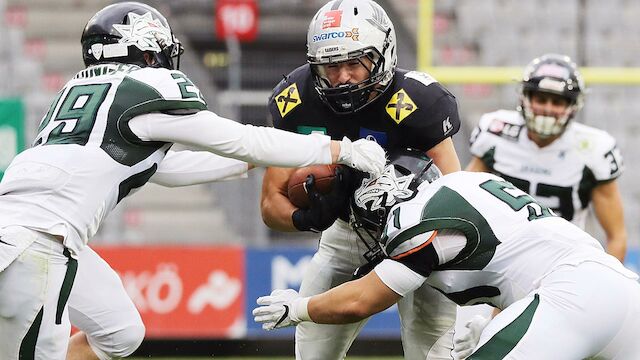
(400, 106)
(306, 130)
(353, 35)
(332, 18)
(506, 130)
(288, 99)
(446, 125)
(378, 136)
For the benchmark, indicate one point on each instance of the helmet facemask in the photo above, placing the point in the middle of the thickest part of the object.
(556, 75)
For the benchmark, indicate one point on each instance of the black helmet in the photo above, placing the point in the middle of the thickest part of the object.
(551, 74)
(124, 32)
(405, 171)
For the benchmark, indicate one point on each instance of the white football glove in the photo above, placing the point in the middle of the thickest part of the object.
(363, 154)
(282, 308)
(464, 345)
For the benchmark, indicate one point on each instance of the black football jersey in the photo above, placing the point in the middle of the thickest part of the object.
(415, 111)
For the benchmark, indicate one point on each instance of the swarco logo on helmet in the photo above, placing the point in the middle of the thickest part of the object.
(348, 30)
(353, 35)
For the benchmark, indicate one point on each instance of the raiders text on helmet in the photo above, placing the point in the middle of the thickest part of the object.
(552, 74)
(344, 30)
(124, 32)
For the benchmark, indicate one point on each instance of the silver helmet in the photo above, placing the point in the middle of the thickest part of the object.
(344, 30)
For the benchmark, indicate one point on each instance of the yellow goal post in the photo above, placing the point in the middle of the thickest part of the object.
(498, 75)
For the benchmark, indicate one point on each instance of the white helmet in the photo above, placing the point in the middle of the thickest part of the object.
(344, 30)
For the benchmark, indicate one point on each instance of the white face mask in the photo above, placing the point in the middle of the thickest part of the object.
(545, 126)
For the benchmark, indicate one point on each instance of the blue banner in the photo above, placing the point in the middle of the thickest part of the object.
(282, 268)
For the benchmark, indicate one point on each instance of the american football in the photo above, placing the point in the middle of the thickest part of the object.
(297, 192)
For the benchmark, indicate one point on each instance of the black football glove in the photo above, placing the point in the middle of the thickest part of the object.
(324, 209)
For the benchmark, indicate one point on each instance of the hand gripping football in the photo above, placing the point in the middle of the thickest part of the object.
(297, 191)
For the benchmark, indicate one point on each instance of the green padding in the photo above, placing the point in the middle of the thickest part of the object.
(506, 339)
(11, 131)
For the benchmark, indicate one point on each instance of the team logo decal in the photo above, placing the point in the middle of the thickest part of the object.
(332, 18)
(144, 32)
(400, 106)
(288, 99)
(354, 35)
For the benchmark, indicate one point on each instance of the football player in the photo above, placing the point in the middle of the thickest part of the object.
(478, 239)
(351, 87)
(104, 136)
(561, 163)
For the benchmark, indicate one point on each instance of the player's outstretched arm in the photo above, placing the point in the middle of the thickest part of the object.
(347, 303)
(607, 204)
(185, 167)
(257, 144)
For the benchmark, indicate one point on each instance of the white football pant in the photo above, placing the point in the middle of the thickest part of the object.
(101, 308)
(578, 312)
(30, 287)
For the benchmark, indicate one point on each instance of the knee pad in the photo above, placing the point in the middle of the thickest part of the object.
(118, 344)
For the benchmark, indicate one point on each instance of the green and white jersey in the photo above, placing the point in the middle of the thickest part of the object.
(478, 239)
(560, 175)
(85, 158)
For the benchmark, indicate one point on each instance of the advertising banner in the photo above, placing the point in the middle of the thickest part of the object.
(184, 292)
(11, 131)
(282, 268)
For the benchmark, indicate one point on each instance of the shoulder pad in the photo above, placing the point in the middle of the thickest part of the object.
(172, 85)
(286, 95)
(599, 149)
(502, 123)
(404, 233)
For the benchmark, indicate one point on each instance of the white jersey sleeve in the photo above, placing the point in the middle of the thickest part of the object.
(600, 151)
(183, 168)
(398, 277)
(255, 144)
(490, 126)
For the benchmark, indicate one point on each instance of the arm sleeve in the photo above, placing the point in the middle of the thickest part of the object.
(398, 277)
(183, 168)
(254, 144)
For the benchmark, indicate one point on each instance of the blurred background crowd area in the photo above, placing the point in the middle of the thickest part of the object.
(41, 50)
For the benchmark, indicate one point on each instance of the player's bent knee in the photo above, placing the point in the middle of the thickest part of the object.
(122, 343)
